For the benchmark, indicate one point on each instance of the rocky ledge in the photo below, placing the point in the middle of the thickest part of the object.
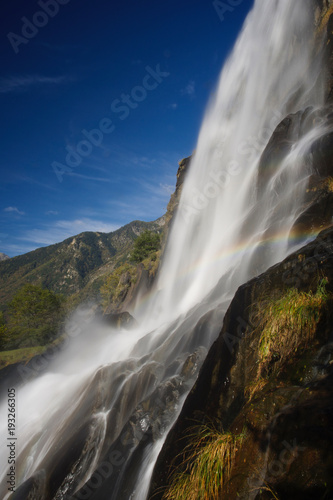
(265, 390)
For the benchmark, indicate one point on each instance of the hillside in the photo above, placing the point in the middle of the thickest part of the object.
(3, 256)
(80, 265)
(75, 265)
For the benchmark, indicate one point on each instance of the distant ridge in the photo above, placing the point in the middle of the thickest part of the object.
(79, 262)
(79, 265)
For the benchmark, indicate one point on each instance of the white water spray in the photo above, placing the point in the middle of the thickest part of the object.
(107, 383)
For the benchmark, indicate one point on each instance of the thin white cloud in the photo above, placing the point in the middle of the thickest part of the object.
(167, 189)
(51, 212)
(150, 204)
(174, 105)
(12, 249)
(189, 90)
(89, 177)
(23, 83)
(14, 209)
(63, 229)
(29, 180)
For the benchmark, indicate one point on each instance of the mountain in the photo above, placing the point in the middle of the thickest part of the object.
(232, 397)
(3, 256)
(77, 265)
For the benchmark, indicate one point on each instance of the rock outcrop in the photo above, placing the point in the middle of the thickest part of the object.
(282, 406)
(140, 282)
(265, 388)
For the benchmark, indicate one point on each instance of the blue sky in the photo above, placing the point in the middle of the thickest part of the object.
(99, 102)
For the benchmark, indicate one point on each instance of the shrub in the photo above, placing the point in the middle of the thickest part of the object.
(145, 244)
(33, 318)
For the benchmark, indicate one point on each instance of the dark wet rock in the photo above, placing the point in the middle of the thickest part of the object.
(120, 320)
(324, 23)
(32, 489)
(317, 206)
(288, 421)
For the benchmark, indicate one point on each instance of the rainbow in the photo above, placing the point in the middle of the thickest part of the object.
(237, 251)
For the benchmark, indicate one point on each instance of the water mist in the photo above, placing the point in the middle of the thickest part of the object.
(93, 424)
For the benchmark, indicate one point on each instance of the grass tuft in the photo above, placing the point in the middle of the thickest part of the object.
(208, 466)
(289, 324)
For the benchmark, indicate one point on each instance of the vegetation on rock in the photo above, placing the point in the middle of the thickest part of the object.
(117, 284)
(208, 465)
(269, 372)
(289, 324)
(145, 245)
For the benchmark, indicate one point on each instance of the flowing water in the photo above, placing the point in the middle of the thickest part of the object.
(92, 425)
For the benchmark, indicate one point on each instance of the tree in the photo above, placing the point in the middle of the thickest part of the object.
(4, 334)
(33, 317)
(145, 245)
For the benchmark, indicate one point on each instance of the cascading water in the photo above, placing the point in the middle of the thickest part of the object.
(93, 424)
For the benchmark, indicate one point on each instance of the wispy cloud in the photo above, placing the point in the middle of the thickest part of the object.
(23, 83)
(29, 180)
(63, 229)
(167, 188)
(150, 204)
(174, 105)
(189, 90)
(14, 210)
(13, 249)
(51, 212)
(89, 177)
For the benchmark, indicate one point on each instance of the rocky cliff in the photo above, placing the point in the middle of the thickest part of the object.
(266, 385)
(139, 280)
(258, 421)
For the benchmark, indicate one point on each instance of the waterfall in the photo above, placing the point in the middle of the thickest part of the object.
(93, 424)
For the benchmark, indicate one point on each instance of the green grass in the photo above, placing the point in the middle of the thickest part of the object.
(329, 184)
(25, 354)
(207, 467)
(289, 324)
(20, 355)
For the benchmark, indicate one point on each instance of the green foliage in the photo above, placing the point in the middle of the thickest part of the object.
(20, 355)
(4, 334)
(208, 466)
(72, 266)
(145, 245)
(33, 318)
(117, 284)
(289, 324)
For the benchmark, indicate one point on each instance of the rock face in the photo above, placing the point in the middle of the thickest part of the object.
(266, 384)
(142, 280)
(3, 256)
(184, 166)
(120, 320)
(318, 201)
(283, 406)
